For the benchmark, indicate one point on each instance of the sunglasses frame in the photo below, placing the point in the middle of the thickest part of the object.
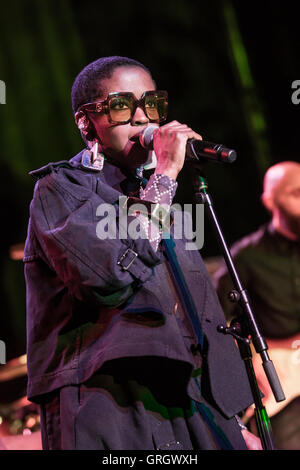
(103, 105)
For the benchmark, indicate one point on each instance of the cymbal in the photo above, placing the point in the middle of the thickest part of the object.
(30, 441)
(14, 368)
(16, 252)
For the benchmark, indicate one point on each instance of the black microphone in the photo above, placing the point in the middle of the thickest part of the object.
(195, 149)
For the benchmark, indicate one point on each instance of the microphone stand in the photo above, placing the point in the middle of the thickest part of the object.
(244, 326)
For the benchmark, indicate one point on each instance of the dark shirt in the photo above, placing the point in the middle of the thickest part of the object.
(84, 308)
(269, 268)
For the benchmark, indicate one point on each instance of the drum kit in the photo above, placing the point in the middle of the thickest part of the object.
(19, 418)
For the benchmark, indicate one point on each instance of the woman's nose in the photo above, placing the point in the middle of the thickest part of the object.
(139, 118)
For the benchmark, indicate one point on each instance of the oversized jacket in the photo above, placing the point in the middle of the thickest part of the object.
(91, 300)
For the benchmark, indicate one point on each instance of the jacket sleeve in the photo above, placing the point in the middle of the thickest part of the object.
(64, 219)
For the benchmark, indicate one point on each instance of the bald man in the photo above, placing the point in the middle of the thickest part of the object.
(268, 263)
(281, 197)
(268, 260)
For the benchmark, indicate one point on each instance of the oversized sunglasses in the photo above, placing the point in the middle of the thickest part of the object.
(121, 106)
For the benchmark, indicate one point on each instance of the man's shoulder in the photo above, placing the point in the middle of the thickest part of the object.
(252, 241)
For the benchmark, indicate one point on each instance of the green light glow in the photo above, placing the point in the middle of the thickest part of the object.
(265, 418)
(252, 107)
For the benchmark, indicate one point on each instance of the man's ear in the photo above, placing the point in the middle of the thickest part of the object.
(268, 201)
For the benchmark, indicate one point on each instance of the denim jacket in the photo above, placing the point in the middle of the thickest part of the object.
(91, 300)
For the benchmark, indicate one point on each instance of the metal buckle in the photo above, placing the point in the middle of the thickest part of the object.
(124, 256)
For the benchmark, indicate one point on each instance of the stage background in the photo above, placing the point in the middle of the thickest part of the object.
(228, 67)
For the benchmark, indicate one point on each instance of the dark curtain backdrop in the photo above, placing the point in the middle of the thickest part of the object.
(228, 67)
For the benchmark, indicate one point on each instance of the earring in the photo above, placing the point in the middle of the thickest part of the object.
(83, 123)
(92, 158)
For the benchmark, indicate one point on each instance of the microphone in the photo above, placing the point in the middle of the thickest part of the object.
(196, 149)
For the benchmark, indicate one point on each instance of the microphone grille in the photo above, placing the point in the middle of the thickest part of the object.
(146, 137)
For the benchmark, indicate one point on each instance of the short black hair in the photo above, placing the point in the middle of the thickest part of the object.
(86, 86)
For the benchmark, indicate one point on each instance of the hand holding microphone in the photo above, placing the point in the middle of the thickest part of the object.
(175, 143)
(169, 143)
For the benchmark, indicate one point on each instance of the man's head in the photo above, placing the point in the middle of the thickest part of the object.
(281, 194)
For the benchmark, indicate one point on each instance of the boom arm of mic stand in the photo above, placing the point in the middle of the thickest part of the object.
(259, 343)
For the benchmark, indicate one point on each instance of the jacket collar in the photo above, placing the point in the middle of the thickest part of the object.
(124, 181)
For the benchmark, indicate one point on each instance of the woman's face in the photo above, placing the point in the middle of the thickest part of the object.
(115, 138)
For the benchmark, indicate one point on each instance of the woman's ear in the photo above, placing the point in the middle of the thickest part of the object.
(82, 121)
(85, 126)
